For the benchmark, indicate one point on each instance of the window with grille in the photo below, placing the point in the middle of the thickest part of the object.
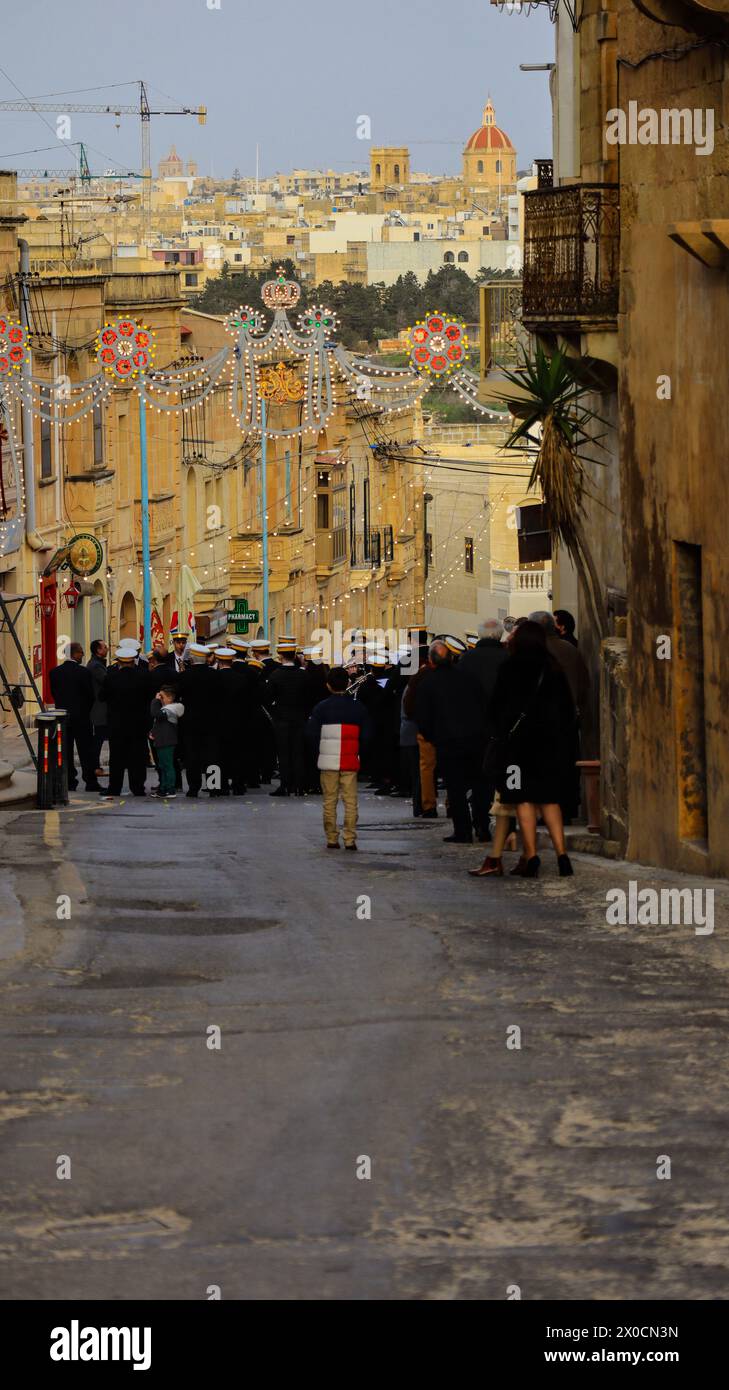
(46, 456)
(98, 437)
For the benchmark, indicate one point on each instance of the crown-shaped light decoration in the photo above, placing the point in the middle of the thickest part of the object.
(13, 346)
(280, 293)
(124, 349)
(318, 318)
(244, 320)
(438, 344)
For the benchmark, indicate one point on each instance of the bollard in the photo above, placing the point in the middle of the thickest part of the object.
(590, 768)
(52, 764)
(60, 765)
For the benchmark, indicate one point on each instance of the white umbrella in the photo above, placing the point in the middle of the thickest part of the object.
(187, 586)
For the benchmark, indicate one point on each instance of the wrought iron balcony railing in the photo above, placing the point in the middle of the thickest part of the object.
(501, 314)
(571, 256)
(366, 549)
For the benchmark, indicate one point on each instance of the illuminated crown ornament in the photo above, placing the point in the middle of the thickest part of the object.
(438, 345)
(124, 349)
(280, 293)
(13, 346)
(244, 320)
(318, 319)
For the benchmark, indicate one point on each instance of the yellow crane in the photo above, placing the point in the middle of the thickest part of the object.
(145, 113)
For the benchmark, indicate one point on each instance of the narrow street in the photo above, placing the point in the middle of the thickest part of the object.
(343, 1037)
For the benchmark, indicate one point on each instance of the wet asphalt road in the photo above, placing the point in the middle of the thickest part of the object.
(345, 1038)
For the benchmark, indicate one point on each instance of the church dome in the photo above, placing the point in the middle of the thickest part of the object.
(488, 136)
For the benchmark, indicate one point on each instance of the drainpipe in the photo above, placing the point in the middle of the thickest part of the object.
(35, 541)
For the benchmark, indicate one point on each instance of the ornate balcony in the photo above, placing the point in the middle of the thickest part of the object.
(500, 314)
(161, 522)
(571, 258)
(366, 549)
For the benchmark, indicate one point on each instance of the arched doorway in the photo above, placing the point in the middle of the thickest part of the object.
(128, 626)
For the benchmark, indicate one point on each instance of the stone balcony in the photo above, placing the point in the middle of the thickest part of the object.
(505, 581)
(90, 498)
(161, 522)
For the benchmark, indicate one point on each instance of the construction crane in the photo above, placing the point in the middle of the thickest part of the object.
(83, 174)
(145, 113)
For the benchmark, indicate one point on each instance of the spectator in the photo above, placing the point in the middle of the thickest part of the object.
(96, 667)
(449, 713)
(534, 716)
(337, 729)
(73, 690)
(565, 624)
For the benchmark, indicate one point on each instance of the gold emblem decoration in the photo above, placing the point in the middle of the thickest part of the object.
(280, 385)
(85, 554)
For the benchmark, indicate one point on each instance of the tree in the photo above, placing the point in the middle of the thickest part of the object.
(556, 424)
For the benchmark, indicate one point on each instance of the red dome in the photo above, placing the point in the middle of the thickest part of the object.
(489, 136)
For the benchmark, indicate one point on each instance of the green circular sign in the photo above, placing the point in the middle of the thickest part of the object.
(85, 555)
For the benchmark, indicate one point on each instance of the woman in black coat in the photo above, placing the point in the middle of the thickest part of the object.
(534, 715)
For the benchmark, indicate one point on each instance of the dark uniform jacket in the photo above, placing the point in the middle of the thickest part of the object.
(72, 689)
(199, 691)
(127, 691)
(286, 694)
(97, 670)
(235, 695)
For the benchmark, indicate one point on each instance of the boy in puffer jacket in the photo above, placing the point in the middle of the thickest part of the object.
(338, 729)
(166, 711)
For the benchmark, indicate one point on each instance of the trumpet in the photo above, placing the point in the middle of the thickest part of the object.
(354, 685)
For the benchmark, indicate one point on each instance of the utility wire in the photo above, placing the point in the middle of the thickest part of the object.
(21, 93)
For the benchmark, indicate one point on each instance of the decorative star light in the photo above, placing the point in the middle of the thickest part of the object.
(124, 350)
(438, 345)
(318, 318)
(244, 320)
(13, 346)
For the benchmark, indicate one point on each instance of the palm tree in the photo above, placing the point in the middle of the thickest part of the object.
(557, 428)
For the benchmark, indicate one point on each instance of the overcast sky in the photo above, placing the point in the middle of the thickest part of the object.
(290, 75)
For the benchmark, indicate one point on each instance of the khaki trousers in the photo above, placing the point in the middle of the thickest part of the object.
(428, 794)
(335, 785)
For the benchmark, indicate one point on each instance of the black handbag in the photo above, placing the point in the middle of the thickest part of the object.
(496, 755)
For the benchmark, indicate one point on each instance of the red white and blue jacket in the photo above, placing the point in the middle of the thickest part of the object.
(337, 729)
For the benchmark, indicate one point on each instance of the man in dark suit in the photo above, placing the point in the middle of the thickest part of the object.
(178, 658)
(96, 667)
(73, 690)
(200, 694)
(449, 713)
(286, 693)
(127, 691)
